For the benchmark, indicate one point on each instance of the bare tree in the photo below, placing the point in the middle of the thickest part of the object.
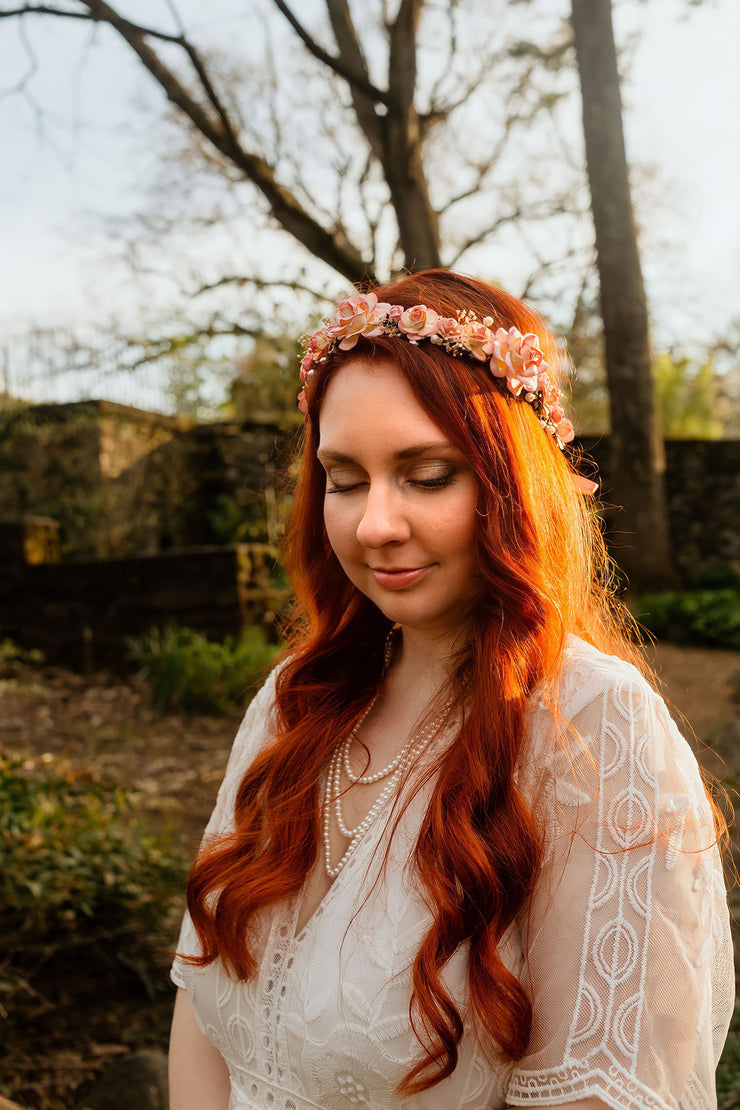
(391, 136)
(636, 447)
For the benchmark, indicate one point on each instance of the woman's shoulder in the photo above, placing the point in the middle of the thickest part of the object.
(599, 701)
(588, 673)
(258, 726)
(606, 728)
(260, 712)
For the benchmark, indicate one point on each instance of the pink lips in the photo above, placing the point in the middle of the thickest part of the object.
(399, 579)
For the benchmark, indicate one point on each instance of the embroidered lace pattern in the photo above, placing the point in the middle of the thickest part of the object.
(625, 947)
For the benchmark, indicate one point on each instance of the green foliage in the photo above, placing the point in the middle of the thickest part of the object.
(710, 617)
(686, 397)
(265, 385)
(187, 673)
(10, 652)
(70, 853)
(716, 576)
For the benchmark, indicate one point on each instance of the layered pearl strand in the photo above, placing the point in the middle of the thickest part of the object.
(393, 771)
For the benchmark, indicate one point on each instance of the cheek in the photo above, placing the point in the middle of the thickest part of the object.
(461, 524)
(339, 525)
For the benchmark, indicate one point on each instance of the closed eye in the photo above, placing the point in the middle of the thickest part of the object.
(344, 489)
(435, 483)
(439, 481)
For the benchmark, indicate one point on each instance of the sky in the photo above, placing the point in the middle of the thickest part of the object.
(86, 153)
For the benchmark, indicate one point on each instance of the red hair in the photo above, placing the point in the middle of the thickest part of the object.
(544, 573)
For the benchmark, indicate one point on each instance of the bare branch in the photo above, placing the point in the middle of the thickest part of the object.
(482, 169)
(33, 64)
(332, 247)
(563, 262)
(371, 124)
(41, 9)
(438, 113)
(372, 219)
(451, 52)
(515, 216)
(177, 18)
(357, 77)
(116, 20)
(170, 345)
(261, 283)
(272, 98)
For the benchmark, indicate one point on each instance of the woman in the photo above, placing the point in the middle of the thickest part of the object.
(461, 857)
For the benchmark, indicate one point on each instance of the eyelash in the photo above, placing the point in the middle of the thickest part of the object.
(426, 484)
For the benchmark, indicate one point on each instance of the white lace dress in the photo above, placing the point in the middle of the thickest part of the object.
(625, 947)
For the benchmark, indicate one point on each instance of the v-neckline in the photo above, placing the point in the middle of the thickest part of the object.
(293, 908)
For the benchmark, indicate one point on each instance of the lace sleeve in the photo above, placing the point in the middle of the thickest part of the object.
(629, 959)
(255, 730)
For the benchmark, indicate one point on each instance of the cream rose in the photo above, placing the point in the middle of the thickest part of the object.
(478, 339)
(357, 316)
(418, 322)
(517, 358)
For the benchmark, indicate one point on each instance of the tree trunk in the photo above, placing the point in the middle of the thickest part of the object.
(639, 533)
(403, 165)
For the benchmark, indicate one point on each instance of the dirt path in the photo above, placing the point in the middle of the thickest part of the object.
(700, 682)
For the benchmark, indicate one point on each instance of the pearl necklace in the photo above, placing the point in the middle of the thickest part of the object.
(366, 780)
(333, 789)
(346, 748)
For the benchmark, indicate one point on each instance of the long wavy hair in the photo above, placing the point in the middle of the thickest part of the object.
(543, 573)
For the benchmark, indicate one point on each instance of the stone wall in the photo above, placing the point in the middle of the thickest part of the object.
(703, 490)
(80, 613)
(121, 481)
(70, 462)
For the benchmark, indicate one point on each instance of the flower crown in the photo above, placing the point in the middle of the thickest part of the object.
(513, 358)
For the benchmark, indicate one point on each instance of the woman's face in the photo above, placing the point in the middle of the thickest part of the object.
(400, 504)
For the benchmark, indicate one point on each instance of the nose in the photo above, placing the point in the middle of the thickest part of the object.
(384, 519)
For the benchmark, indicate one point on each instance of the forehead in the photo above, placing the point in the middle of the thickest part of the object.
(367, 398)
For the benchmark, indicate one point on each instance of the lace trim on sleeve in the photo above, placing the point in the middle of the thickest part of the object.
(627, 940)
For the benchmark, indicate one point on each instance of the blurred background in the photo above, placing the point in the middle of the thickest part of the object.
(185, 190)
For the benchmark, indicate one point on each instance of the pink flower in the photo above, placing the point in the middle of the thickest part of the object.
(395, 311)
(317, 347)
(556, 413)
(549, 391)
(306, 365)
(318, 343)
(357, 316)
(565, 431)
(448, 328)
(478, 339)
(418, 322)
(517, 358)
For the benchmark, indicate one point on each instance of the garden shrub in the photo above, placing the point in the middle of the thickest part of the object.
(710, 617)
(10, 652)
(76, 868)
(71, 850)
(187, 673)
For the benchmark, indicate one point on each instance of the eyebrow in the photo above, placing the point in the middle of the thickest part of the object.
(406, 453)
